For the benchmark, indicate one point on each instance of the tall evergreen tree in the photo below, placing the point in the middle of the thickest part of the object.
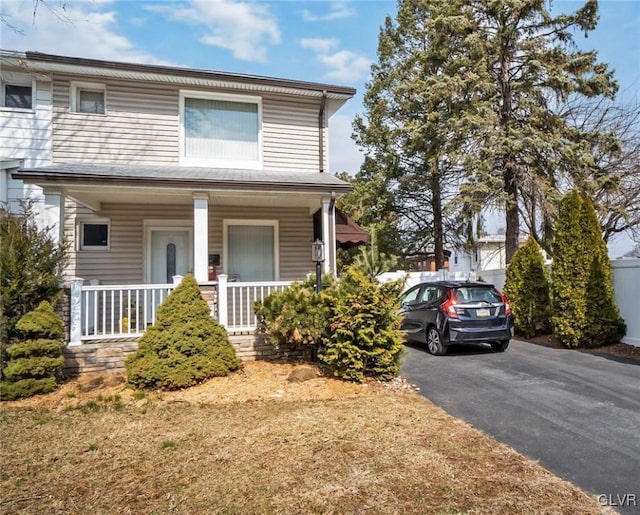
(418, 113)
(584, 310)
(533, 64)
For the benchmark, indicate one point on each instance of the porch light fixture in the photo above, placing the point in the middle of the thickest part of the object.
(317, 256)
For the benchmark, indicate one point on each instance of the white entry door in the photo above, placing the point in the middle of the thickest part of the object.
(170, 254)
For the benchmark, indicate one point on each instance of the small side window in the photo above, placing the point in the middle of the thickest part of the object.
(16, 90)
(87, 97)
(18, 97)
(94, 236)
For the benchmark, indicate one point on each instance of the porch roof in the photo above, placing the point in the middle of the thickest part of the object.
(187, 177)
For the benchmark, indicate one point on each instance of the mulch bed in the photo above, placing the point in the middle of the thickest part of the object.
(620, 350)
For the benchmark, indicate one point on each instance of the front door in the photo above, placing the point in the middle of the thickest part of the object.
(170, 254)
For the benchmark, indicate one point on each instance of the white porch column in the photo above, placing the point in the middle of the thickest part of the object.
(328, 236)
(75, 312)
(53, 214)
(200, 236)
(223, 317)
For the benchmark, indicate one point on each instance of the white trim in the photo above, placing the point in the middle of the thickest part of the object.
(244, 221)
(226, 163)
(17, 79)
(74, 86)
(163, 225)
(80, 246)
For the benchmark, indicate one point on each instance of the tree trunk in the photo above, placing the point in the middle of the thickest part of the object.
(512, 213)
(436, 205)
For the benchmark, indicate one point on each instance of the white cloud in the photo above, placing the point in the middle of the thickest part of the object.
(344, 155)
(82, 29)
(319, 45)
(337, 11)
(244, 28)
(343, 65)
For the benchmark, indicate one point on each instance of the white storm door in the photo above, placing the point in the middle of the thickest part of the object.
(170, 254)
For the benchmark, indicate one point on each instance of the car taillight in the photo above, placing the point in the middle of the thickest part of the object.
(507, 305)
(449, 306)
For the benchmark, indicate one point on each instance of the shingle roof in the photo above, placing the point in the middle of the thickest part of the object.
(182, 177)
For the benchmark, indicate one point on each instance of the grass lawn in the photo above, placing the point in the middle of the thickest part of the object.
(316, 447)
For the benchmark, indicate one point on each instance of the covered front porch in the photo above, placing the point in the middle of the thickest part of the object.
(134, 230)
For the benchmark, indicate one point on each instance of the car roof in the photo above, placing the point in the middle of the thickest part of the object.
(455, 284)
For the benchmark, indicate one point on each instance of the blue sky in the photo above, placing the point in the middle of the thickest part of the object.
(321, 41)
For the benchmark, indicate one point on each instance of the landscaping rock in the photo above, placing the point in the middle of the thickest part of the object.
(302, 374)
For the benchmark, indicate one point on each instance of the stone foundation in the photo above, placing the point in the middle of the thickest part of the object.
(109, 355)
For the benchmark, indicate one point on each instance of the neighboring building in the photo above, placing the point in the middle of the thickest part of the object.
(426, 261)
(25, 126)
(150, 172)
(487, 253)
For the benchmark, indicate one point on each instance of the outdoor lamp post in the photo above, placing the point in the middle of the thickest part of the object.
(317, 256)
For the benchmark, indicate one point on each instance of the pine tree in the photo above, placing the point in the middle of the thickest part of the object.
(184, 347)
(35, 359)
(533, 64)
(418, 114)
(527, 288)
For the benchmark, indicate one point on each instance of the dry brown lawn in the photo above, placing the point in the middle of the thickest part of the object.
(254, 443)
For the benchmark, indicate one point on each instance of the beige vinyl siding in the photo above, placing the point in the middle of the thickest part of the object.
(290, 133)
(141, 125)
(123, 263)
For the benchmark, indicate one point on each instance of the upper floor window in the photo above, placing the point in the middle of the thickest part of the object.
(87, 97)
(17, 91)
(220, 130)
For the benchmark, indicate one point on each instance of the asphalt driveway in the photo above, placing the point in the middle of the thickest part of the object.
(578, 414)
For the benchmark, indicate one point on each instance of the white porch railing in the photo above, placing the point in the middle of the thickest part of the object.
(241, 298)
(120, 311)
(125, 311)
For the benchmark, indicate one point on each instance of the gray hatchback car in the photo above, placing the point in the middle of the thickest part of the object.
(444, 313)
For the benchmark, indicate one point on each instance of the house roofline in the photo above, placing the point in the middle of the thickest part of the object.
(53, 63)
(78, 179)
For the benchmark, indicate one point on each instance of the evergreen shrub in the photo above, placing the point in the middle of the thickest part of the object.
(33, 363)
(527, 288)
(30, 267)
(584, 311)
(365, 337)
(184, 347)
(352, 326)
(295, 318)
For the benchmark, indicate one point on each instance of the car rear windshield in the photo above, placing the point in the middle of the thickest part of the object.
(476, 294)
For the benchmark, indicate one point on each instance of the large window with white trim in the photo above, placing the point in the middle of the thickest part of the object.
(220, 130)
(251, 250)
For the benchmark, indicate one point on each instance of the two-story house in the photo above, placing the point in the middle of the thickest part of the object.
(150, 172)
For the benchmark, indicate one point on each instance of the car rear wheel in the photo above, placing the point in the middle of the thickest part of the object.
(434, 342)
(500, 346)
